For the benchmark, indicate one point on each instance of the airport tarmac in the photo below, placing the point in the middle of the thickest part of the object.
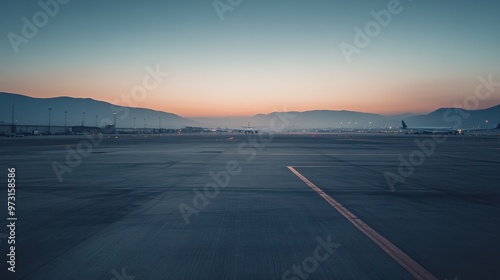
(253, 207)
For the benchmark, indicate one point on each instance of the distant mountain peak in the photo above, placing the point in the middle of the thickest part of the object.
(34, 111)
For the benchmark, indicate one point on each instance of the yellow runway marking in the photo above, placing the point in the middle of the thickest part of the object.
(415, 269)
(318, 154)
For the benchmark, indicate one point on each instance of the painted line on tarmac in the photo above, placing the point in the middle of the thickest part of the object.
(361, 154)
(290, 154)
(415, 269)
(321, 166)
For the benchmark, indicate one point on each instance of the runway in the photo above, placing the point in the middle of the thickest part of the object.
(232, 207)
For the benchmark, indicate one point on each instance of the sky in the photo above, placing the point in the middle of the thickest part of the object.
(244, 57)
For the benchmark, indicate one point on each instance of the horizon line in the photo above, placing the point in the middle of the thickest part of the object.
(255, 114)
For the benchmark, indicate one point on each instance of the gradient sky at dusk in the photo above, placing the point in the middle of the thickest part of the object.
(264, 56)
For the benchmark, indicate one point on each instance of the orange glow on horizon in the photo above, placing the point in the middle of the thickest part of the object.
(187, 101)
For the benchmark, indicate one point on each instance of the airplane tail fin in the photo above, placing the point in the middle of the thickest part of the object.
(405, 126)
(498, 126)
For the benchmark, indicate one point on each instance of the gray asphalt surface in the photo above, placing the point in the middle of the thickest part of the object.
(117, 214)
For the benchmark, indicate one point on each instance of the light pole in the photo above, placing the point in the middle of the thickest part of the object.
(83, 119)
(134, 125)
(50, 109)
(159, 124)
(65, 115)
(114, 125)
(13, 128)
(95, 120)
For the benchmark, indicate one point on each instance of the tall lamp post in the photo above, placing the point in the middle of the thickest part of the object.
(134, 126)
(159, 124)
(50, 109)
(95, 120)
(83, 119)
(114, 125)
(65, 128)
(13, 128)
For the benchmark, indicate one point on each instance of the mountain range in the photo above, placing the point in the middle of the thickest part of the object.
(30, 110)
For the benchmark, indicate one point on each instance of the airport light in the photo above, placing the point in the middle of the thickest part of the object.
(95, 120)
(50, 109)
(65, 115)
(159, 123)
(114, 115)
(134, 125)
(83, 119)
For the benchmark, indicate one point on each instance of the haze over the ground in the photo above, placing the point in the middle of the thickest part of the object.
(257, 57)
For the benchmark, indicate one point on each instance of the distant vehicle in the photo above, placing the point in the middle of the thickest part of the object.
(429, 129)
(12, 134)
(479, 129)
(249, 130)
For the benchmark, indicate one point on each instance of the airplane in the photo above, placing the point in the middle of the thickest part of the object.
(479, 129)
(249, 130)
(430, 129)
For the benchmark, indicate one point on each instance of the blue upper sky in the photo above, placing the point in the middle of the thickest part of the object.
(262, 56)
